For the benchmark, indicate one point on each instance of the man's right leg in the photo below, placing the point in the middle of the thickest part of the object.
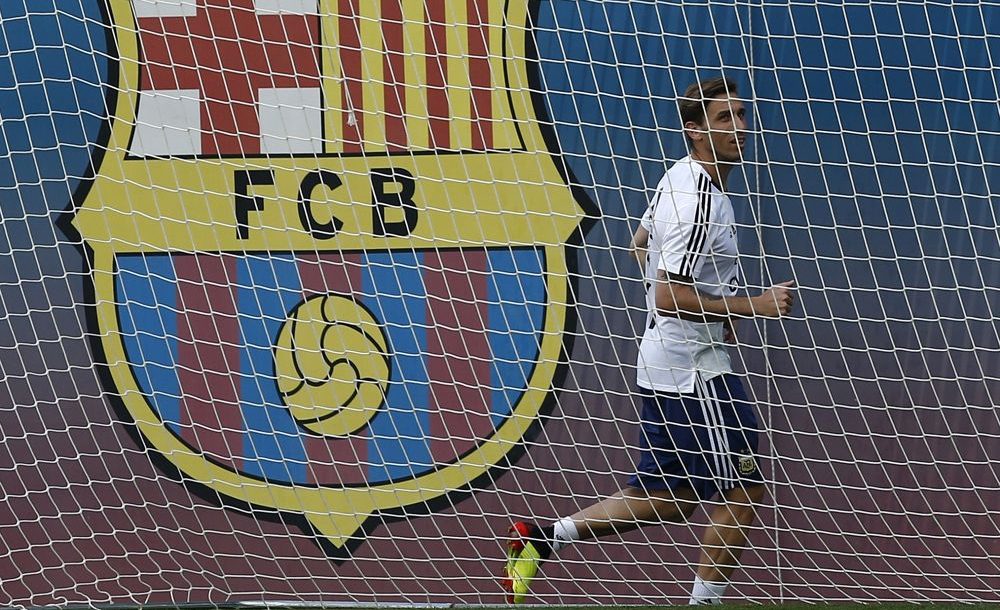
(726, 535)
(629, 509)
(723, 542)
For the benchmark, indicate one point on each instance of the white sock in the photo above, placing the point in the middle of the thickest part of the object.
(563, 533)
(703, 592)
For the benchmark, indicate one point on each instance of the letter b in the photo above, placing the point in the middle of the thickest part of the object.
(399, 198)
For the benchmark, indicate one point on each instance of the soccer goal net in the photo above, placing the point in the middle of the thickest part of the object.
(306, 301)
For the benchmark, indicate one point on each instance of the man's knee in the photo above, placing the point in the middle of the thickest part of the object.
(740, 507)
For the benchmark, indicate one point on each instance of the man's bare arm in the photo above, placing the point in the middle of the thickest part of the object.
(640, 241)
(679, 298)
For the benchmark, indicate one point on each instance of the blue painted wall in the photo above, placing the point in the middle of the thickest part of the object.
(872, 175)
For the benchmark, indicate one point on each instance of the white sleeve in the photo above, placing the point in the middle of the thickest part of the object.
(682, 226)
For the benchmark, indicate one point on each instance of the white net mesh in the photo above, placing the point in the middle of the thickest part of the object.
(309, 300)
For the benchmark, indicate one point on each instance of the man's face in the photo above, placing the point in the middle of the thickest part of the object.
(725, 129)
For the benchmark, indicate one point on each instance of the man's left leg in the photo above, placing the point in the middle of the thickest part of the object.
(723, 542)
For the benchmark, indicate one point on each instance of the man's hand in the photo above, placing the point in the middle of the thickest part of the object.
(776, 301)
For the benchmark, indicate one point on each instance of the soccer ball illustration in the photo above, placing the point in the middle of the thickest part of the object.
(332, 363)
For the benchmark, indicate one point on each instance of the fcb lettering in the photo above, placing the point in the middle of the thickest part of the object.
(393, 209)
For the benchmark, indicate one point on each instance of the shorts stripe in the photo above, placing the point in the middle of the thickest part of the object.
(711, 428)
(714, 408)
(721, 430)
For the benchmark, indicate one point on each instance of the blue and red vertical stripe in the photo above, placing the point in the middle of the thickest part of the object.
(463, 326)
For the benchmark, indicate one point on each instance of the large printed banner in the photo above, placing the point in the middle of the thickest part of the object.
(287, 287)
(328, 247)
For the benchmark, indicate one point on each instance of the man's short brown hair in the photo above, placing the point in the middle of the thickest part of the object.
(692, 105)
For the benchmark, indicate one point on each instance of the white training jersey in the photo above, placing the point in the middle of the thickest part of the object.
(692, 233)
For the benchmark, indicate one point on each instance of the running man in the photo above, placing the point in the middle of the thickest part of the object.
(698, 432)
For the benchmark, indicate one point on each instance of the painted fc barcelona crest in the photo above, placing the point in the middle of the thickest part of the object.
(328, 247)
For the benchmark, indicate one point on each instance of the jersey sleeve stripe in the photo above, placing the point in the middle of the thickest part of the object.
(705, 209)
(700, 231)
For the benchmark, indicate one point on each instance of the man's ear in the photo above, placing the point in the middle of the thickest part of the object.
(694, 131)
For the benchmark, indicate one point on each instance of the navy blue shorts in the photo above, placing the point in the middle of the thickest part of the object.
(706, 440)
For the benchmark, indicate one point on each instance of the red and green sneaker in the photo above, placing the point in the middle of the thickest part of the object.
(523, 558)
